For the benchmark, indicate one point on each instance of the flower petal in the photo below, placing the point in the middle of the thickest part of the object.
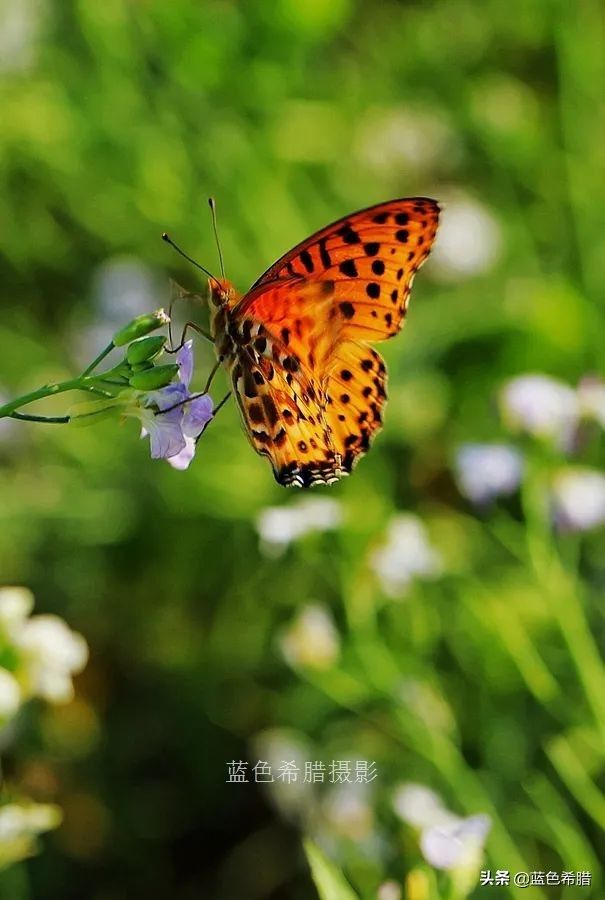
(456, 844)
(167, 396)
(166, 434)
(182, 459)
(198, 413)
(184, 360)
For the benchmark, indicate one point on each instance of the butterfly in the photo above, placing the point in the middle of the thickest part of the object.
(297, 346)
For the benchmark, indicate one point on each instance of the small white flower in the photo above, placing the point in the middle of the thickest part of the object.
(16, 603)
(389, 890)
(455, 845)
(311, 639)
(348, 810)
(468, 242)
(541, 406)
(420, 807)
(578, 499)
(591, 398)
(447, 841)
(279, 526)
(10, 694)
(285, 751)
(487, 471)
(19, 827)
(51, 653)
(406, 554)
(31, 818)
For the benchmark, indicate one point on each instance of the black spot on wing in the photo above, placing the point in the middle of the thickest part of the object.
(256, 414)
(349, 235)
(348, 268)
(323, 254)
(270, 409)
(306, 260)
(250, 387)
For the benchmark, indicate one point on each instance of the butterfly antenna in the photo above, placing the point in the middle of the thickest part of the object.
(168, 239)
(212, 205)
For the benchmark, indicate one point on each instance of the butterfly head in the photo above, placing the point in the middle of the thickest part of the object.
(222, 293)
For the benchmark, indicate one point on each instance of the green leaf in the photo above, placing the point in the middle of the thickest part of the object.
(329, 881)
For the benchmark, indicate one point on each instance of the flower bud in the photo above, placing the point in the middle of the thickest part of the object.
(144, 349)
(154, 378)
(142, 366)
(140, 326)
(89, 412)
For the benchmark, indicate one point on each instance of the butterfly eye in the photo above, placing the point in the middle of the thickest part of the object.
(217, 295)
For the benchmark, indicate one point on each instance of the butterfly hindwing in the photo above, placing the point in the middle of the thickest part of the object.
(355, 391)
(283, 413)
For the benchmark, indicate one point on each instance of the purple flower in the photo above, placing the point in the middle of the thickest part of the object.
(173, 417)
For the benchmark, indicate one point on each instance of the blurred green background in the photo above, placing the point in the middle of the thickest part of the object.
(119, 118)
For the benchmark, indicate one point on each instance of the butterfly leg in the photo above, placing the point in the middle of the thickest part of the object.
(213, 372)
(186, 327)
(180, 293)
(218, 407)
(222, 403)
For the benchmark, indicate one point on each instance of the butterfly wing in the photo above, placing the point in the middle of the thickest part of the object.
(313, 429)
(309, 388)
(355, 392)
(370, 258)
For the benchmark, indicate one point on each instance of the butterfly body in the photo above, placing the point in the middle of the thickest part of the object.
(296, 347)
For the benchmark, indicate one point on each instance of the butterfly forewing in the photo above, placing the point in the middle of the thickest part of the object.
(371, 257)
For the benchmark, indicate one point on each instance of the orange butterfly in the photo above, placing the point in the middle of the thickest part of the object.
(309, 386)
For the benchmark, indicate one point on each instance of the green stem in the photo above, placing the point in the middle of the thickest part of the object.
(98, 359)
(53, 420)
(47, 390)
(562, 588)
(81, 383)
